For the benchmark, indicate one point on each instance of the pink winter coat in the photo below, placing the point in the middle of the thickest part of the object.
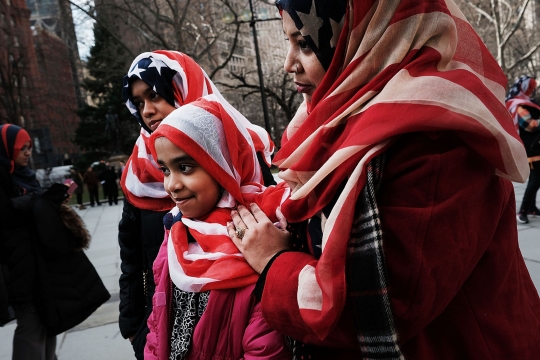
(232, 326)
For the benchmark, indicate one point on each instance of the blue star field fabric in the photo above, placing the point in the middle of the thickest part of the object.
(320, 23)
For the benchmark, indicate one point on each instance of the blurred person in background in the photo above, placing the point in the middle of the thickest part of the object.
(526, 114)
(52, 286)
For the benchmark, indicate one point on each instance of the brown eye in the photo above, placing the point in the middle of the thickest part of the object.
(303, 44)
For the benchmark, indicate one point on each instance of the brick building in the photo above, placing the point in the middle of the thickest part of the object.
(58, 104)
(37, 89)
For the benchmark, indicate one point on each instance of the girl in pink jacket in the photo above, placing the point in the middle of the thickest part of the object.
(204, 306)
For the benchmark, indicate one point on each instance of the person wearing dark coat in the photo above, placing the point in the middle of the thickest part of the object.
(79, 191)
(52, 286)
(92, 183)
(110, 187)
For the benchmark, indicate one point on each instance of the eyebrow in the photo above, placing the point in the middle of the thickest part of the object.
(146, 91)
(177, 159)
(294, 34)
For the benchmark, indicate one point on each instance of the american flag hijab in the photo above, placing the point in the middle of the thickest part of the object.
(320, 23)
(520, 94)
(218, 138)
(398, 67)
(179, 80)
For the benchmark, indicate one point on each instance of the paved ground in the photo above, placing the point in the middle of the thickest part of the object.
(98, 338)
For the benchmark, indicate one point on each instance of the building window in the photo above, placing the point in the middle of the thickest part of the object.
(13, 22)
(23, 82)
(15, 40)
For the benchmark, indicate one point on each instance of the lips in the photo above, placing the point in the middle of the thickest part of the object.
(180, 202)
(154, 124)
(303, 88)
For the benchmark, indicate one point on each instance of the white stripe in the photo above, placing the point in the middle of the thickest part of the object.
(309, 294)
(195, 252)
(205, 228)
(179, 277)
(349, 186)
(140, 189)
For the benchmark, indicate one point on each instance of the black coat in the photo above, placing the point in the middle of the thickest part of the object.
(16, 234)
(69, 288)
(65, 287)
(140, 234)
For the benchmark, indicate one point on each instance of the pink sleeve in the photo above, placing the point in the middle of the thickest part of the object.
(157, 340)
(261, 342)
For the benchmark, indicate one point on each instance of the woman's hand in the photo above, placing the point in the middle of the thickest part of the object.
(262, 239)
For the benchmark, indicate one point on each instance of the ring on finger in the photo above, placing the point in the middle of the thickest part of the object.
(240, 232)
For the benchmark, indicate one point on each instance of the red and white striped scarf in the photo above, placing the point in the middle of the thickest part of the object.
(399, 67)
(142, 181)
(220, 139)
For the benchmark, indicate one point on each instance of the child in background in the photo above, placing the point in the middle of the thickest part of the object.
(209, 164)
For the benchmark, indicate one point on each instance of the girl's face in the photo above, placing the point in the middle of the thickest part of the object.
(194, 190)
(301, 60)
(152, 107)
(24, 154)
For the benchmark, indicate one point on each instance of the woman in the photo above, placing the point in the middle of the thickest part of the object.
(52, 285)
(156, 84)
(31, 339)
(398, 162)
(526, 115)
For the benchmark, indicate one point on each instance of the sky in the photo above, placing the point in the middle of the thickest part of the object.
(83, 27)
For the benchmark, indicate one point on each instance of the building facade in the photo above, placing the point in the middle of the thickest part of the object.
(37, 90)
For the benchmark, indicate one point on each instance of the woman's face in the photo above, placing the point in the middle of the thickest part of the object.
(24, 155)
(152, 106)
(301, 60)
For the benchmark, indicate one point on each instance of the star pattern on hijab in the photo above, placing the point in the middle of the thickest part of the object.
(336, 30)
(319, 21)
(312, 23)
(136, 71)
(158, 64)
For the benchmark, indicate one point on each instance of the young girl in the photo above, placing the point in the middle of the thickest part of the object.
(156, 84)
(203, 306)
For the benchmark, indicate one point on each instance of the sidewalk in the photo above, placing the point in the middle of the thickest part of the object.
(98, 338)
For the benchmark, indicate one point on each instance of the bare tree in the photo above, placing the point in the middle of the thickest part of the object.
(508, 28)
(190, 26)
(197, 28)
(283, 99)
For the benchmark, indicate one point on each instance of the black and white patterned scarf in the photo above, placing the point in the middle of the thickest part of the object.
(367, 285)
(366, 275)
(187, 309)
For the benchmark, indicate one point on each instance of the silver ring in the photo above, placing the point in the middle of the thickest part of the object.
(240, 233)
(296, 69)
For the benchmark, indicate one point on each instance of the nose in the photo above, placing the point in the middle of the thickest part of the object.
(173, 183)
(149, 110)
(290, 62)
